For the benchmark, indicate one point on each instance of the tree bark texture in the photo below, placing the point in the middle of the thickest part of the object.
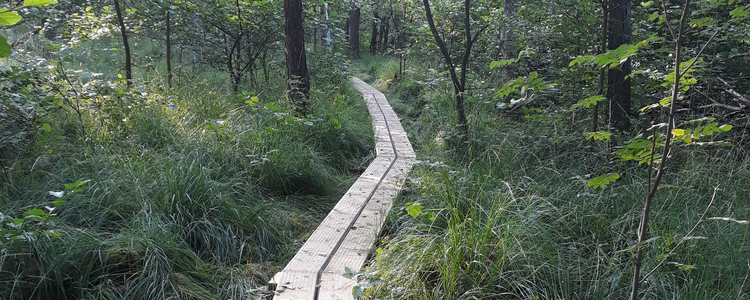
(354, 32)
(384, 31)
(169, 50)
(602, 74)
(126, 45)
(315, 34)
(374, 35)
(510, 10)
(459, 85)
(296, 61)
(618, 90)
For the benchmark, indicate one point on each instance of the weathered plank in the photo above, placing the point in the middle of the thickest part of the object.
(345, 237)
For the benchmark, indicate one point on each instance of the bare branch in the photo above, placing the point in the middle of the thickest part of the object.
(732, 92)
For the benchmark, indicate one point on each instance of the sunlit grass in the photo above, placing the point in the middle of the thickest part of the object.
(514, 218)
(201, 197)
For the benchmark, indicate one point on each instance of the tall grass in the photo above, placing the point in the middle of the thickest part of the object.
(197, 197)
(514, 218)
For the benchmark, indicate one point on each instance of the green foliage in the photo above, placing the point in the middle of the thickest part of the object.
(522, 90)
(603, 180)
(612, 58)
(8, 17)
(199, 193)
(364, 281)
(507, 62)
(590, 101)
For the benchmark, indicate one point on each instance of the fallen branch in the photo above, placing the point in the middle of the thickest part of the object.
(731, 91)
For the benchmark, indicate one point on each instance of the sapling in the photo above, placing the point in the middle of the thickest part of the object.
(653, 187)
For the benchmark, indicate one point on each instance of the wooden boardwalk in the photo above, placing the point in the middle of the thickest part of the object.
(345, 236)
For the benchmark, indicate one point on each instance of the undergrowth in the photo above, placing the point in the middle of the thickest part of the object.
(507, 213)
(195, 193)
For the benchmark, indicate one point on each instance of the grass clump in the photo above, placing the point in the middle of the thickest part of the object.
(189, 194)
(507, 214)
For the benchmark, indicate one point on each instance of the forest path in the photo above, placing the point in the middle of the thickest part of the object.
(347, 234)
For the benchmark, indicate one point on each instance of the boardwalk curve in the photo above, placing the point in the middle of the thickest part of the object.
(345, 236)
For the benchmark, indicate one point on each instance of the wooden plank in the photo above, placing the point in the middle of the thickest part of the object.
(345, 236)
(293, 285)
(335, 287)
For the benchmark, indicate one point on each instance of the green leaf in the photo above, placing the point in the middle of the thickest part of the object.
(653, 16)
(603, 180)
(701, 22)
(38, 2)
(679, 132)
(8, 17)
(46, 127)
(357, 292)
(253, 101)
(59, 202)
(5, 49)
(34, 212)
(666, 101)
(740, 12)
(588, 102)
(599, 136)
(272, 106)
(349, 273)
(581, 60)
(413, 209)
(500, 63)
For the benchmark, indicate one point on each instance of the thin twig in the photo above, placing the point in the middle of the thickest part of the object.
(684, 238)
(739, 293)
(698, 55)
(666, 20)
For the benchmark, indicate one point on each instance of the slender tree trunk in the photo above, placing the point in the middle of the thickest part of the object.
(398, 42)
(169, 50)
(374, 36)
(618, 91)
(315, 34)
(265, 65)
(126, 45)
(458, 85)
(326, 38)
(354, 32)
(296, 60)
(510, 10)
(602, 74)
(653, 188)
(384, 31)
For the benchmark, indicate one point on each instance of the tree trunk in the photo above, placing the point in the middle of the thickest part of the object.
(326, 37)
(354, 32)
(169, 51)
(458, 85)
(374, 36)
(315, 34)
(398, 43)
(510, 10)
(126, 45)
(296, 61)
(384, 30)
(265, 65)
(618, 91)
(602, 49)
